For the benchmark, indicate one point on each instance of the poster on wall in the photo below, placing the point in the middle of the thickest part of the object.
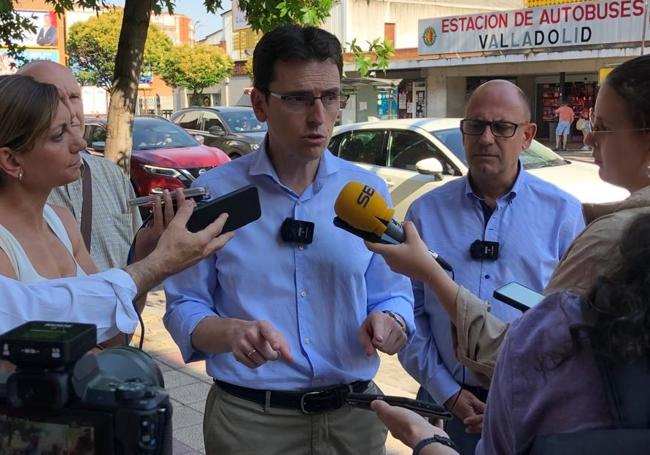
(46, 29)
(29, 54)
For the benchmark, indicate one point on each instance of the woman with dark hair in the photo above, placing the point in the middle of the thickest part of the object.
(620, 140)
(547, 379)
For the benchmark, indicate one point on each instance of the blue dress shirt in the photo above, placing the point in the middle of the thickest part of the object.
(534, 223)
(316, 295)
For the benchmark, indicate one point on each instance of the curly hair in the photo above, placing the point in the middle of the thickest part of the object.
(618, 305)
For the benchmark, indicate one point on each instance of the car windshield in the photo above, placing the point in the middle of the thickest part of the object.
(149, 134)
(535, 157)
(243, 122)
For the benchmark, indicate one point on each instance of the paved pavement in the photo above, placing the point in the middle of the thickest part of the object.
(188, 385)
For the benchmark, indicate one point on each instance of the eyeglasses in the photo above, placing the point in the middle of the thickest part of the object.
(499, 128)
(596, 131)
(300, 104)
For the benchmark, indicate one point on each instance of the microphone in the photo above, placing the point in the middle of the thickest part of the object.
(362, 211)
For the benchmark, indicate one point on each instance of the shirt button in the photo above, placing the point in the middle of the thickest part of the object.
(301, 247)
(487, 277)
(307, 340)
(303, 294)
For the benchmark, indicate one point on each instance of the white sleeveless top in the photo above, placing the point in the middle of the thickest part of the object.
(25, 272)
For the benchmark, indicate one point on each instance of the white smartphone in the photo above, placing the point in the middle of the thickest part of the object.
(518, 296)
(148, 200)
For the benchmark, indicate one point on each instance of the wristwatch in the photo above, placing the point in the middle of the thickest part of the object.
(435, 438)
(397, 318)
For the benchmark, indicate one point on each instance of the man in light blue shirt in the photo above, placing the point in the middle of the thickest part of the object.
(288, 327)
(532, 221)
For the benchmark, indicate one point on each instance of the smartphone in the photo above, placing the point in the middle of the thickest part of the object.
(149, 200)
(518, 296)
(363, 400)
(242, 206)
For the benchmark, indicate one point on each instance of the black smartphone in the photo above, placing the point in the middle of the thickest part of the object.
(363, 400)
(518, 296)
(242, 206)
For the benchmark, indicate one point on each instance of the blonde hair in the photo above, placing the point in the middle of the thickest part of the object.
(27, 108)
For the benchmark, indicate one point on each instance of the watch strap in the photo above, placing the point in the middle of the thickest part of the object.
(435, 438)
(397, 318)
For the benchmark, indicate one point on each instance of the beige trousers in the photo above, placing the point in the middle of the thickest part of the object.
(233, 426)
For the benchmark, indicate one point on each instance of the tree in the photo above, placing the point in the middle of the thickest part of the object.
(377, 57)
(92, 46)
(195, 67)
(264, 16)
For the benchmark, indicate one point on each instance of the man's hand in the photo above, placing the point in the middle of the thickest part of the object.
(468, 408)
(380, 331)
(177, 247)
(407, 426)
(254, 343)
(410, 258)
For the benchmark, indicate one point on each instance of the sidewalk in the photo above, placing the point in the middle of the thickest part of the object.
(188, 385)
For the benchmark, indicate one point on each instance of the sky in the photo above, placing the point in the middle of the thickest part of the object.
(204, 23)
(195, 10)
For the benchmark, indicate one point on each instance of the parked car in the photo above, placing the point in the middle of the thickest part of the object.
(235, 130)
(414, 156)
(164, 156)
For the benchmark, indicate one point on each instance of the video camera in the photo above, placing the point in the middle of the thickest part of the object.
(64, 400)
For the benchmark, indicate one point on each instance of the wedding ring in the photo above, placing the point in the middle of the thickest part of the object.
(252, 351)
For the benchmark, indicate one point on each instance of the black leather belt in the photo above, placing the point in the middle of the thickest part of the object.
(309, 402)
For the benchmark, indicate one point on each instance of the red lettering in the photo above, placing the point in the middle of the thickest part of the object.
(590, 11)
(614, 10)
(638, 7)
(462, 23)
(480, 22)
(470, 24)
(578, 13)
(529, 18)
(519, 18)
(544, 19)
(563, 14)
(444, 25)
(625, 9)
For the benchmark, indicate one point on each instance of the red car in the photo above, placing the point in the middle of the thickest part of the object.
(164, 156)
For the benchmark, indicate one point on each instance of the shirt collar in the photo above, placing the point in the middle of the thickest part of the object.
(262, 165)
(510, 195)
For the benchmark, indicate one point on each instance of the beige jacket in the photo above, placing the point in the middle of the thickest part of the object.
(479, 335)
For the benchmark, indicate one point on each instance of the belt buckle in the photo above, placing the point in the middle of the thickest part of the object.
(313, 393)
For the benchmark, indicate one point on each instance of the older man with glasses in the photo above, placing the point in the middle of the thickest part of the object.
(498, 224)
(289, 323)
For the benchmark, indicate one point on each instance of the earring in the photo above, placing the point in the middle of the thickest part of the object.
(20, 175)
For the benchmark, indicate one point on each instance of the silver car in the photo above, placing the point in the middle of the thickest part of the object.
(414, 156)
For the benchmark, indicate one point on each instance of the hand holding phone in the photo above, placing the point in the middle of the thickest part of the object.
(431, 410)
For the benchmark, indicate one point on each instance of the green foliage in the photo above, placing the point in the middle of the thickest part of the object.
(264, 16)
(376, 57)
(195, 67)
(92, 47)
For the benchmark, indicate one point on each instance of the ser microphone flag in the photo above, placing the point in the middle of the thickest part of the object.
(361, 210)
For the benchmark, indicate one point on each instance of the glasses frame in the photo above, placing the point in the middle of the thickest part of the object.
(343, 99)
(491, 125)
(596, 133)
